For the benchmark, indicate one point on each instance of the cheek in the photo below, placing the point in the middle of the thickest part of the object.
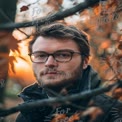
(72, 65)
(36, 68)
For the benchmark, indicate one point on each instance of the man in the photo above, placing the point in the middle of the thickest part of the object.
(59, 56)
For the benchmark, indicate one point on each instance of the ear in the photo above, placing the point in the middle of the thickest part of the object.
(85, 63)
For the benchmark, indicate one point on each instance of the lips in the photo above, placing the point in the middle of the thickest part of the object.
(51, 73)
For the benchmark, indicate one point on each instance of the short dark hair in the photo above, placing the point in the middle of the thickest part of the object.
(59, 30)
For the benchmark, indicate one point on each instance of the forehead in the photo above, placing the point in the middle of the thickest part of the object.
(50, 44)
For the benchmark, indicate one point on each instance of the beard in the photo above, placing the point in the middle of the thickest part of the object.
(60, 81)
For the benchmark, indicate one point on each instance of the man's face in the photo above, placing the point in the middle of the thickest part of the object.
(52, 74)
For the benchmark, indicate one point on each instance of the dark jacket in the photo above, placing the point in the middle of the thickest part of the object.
(90, 80)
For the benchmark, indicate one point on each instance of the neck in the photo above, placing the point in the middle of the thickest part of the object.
(56, 91)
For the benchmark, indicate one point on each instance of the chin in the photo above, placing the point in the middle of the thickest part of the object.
(51, 83)
(55, 84)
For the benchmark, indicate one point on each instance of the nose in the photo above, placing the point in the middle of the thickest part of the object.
(51, 62)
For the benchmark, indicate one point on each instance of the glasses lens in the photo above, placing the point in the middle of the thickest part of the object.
(63, 56)
(39, 57)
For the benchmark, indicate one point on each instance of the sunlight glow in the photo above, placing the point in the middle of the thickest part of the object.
(20, 63)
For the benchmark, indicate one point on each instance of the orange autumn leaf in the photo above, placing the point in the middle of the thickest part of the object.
(96, 9)
(119, 56)
(112, 4)
(120, 45)
(105, 45)
(93, 112)
(117, 93)
(58, 117)
(60, 2)
(55, 3)
(63, 117)
(74, 117)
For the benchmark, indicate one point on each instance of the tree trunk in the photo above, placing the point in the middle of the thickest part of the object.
(4, 54)
(7, 14)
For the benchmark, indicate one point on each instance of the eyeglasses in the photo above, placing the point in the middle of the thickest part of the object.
(59, 56)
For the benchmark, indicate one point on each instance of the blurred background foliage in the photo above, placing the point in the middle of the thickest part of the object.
(103, 23)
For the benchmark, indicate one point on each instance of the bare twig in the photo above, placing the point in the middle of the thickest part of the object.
(62, 100)
(60, 96)
(51, 18)
(23, 33)
(1, 11)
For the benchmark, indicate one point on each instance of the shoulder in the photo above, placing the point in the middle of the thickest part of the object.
(30, 87)
(32, 92)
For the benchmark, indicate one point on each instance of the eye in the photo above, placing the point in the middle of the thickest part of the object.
(40, 55)
(63, 55)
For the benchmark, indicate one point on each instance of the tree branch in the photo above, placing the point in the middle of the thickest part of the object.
(50, 18)
(62, 100)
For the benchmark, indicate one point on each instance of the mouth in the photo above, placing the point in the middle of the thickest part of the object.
(51, 73)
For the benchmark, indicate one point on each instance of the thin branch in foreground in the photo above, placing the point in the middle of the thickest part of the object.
(51, 18)
(9, 20)
(62, 100)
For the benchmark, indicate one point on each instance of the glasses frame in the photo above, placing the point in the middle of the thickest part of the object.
(53, 55)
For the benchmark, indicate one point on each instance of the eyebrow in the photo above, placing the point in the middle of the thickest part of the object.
(55, 51)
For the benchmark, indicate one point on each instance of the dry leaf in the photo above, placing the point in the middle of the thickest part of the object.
(14, 44)
(74, 117)
(117, 93)
(12, 59)
(55, 3)
(64, 118)
(58, 118)
(96, 9)
(105, 44)
(120, 45)
(60, 2)
(24, 8)
(93, 112)
(112, 3)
